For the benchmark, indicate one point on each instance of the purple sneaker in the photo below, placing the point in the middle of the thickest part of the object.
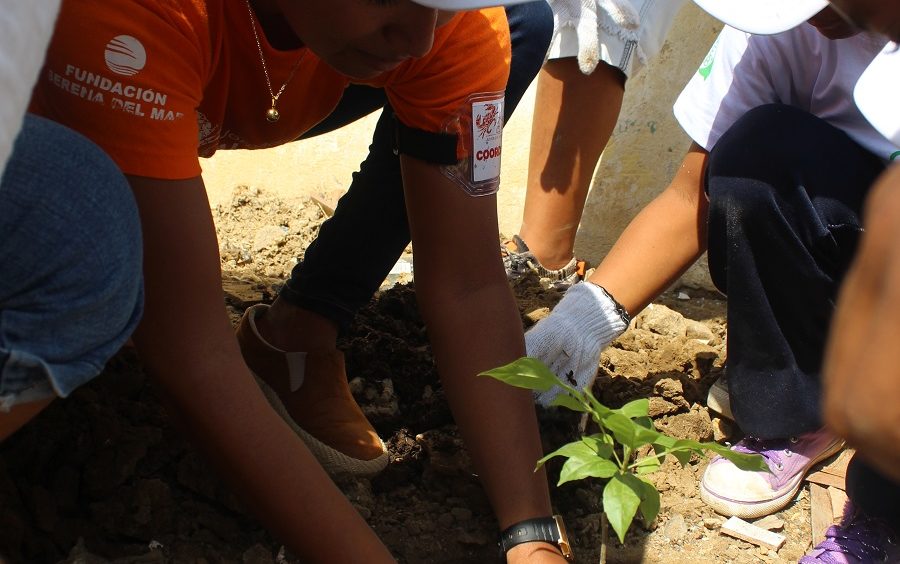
(858, 539)
(748, 495)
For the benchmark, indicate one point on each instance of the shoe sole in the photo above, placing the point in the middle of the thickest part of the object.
(754, 510)
(335, 462)
(718, 399)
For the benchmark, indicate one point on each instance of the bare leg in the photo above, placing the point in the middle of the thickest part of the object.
(19, 416)
(565, 148)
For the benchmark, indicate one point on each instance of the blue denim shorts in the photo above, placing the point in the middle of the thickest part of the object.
(71, 290)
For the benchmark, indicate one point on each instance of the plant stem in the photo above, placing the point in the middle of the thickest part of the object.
(604, 536)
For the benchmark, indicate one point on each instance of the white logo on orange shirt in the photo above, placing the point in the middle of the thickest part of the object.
(125, 55)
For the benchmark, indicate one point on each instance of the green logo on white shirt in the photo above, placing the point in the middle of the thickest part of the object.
(706, 65)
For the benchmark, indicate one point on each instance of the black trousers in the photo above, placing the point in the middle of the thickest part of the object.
(786, 191)
(369, 228)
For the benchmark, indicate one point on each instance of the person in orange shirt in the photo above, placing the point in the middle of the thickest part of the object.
(157, 84)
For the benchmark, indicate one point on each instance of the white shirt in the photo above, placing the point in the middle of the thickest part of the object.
(876, 92)
(800, 68)
(25, 29)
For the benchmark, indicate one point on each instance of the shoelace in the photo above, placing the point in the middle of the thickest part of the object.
(771, 450)
(863, 538)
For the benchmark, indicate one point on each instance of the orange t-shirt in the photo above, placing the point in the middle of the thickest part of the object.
(158, 83)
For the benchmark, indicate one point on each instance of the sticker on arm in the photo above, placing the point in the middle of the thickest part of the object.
(479, 125)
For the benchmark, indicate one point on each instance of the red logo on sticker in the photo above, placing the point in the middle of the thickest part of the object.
(487, 121)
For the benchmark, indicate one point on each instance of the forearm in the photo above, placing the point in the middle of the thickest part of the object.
(218, 404)
(498, 422)
(187, 345)
(661, 242)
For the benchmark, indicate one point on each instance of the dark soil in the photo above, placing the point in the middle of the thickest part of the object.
(105, 475)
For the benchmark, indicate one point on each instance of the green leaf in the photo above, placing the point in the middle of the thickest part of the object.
(636, 408)
(649, 502)
(598, 408)
(526, 372)
(647, 465)
(601, 444)
(567, 401)
(744, 461)
(578, 468)
(621, 499)
(682, 456)
(664, 441)
(622, 427)
(578, 450)
(645, 422)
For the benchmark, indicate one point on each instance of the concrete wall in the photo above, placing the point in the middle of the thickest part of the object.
(642, 156)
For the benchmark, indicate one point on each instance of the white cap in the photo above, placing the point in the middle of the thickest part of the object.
(461, 5)
(763, 17)
(876, 93)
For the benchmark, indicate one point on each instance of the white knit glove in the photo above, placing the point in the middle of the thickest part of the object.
(570, 339)
(591, 17)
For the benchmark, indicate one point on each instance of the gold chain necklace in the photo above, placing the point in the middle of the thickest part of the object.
(272, 114)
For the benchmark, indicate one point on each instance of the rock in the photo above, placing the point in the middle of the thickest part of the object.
(675, 528)
(537, 314)
(661, 320)
(712, 523)
(269, 237)
(770, 523)
(722, 429)
(697, 330)
(695, 425)
(659, 407)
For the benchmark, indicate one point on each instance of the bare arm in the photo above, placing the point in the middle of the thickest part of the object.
(661, 242)
(862, 366)
(665, 238)
(474, 325)
(188, 346)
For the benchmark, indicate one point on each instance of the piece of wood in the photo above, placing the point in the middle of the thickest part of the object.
(838, 503)
(838, 466)
(826, 479)
(740, 529)
(820, 512)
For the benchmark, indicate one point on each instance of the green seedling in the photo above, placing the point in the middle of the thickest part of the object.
(610, 454)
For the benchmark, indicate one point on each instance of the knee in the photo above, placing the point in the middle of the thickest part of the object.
(766, 141)
(82, 213)
(530, 29)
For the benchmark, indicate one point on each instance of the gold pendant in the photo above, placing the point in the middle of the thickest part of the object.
(272, 115)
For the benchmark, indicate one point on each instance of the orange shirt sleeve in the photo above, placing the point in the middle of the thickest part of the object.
(130, 80)
(471, 54)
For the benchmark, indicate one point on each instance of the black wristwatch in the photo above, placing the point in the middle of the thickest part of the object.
(542, 529)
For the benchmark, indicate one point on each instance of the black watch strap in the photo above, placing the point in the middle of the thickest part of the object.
(542, 529)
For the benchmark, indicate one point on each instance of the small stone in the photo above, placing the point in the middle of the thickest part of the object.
(683, 296)
(537, 314)
(675, 528)
(770, 523)
(712, 523)
(722, 429)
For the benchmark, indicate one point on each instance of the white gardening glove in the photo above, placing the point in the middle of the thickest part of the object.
(570, 339)
(590, 18)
